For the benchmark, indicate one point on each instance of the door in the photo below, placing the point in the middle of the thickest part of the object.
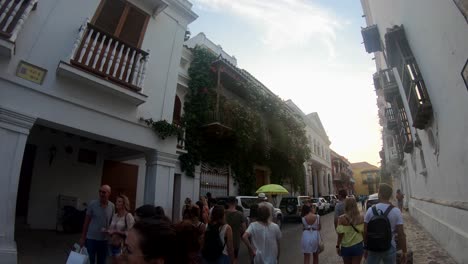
(122, 178)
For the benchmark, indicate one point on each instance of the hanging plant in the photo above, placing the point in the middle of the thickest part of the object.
(163, 128)
(264, 132)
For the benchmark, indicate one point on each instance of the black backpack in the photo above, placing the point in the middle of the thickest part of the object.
(213, 247)
(379, 231)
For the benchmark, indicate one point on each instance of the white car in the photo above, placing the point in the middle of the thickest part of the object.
(326, 204)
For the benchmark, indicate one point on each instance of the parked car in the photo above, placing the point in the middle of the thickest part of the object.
(319, 205)
(325, 203)
(291, 207)
(373, 199)
(350, 196)
(332, 200)
(246, 201)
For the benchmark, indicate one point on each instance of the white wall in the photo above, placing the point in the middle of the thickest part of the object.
(437, 34)
(47, 38)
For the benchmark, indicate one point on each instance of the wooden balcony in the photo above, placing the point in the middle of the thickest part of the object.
(389, 84)
(416, 94)
(13, 14)
(371, 39)
(217, 124)
(391, 118)
(107, 56)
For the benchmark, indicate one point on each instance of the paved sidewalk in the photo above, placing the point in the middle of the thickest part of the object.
(425, 249)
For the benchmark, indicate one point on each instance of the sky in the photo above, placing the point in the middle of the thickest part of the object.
(309, 51)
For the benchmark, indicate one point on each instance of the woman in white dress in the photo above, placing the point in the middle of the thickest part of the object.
(310, 235)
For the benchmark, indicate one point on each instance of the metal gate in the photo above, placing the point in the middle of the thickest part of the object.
(214, 180)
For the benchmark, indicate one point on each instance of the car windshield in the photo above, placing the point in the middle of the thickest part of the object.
(248, 202)
(286, 201)
(315, 200)
(328, 198)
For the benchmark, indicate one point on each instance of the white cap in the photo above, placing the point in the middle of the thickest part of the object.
(262, 196)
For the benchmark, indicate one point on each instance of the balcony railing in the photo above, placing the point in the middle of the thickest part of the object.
(416, 94)
(13, 14)
(371, 38)
(388, 83)
(217, 123)
(107, 56)
(180, 137)
(391, 118)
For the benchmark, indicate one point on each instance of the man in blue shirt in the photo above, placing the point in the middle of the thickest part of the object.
(94, 235)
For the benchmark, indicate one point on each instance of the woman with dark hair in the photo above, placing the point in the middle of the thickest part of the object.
(145, 211)
(160, 214)
(310, 234)
(265, 236)
(150, 241)
(218, 247)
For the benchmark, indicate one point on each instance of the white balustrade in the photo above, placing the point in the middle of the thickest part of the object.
(98, 52)
(124, 64)
(117, 62)
(12, 15)
(103, 54)
(5, 11)
(91, 49)
(22, 19)
(78, 40)
(85, 46)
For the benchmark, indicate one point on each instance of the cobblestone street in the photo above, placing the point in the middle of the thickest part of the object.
(425, 249)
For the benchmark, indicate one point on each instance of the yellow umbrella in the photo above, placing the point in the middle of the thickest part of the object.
(272, 189)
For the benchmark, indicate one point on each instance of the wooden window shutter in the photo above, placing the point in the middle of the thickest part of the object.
(123, 20)
(134, 27)
(109, 15)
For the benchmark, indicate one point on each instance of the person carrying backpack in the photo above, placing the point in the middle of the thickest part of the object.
(381, 222)
(218, 246)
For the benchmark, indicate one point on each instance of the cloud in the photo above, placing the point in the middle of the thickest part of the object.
(283, 23)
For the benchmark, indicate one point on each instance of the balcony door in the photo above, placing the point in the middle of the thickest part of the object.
(123, 20)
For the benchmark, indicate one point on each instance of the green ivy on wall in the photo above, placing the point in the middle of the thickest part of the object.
(163, 128)
(264, 131)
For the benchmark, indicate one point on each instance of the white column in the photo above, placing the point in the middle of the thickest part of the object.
(159, 181)
(315, 176)
(14, 130)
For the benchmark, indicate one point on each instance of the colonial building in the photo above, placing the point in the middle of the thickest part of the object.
(420, 50)
(318, 179)
(342, 173)
(367, 178)
(76, 78)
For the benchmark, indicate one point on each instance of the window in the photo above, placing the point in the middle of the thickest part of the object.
(123, 20)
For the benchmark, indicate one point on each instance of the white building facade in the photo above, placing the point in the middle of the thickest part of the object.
(318, 176)
(421, 51)
(76, 79)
